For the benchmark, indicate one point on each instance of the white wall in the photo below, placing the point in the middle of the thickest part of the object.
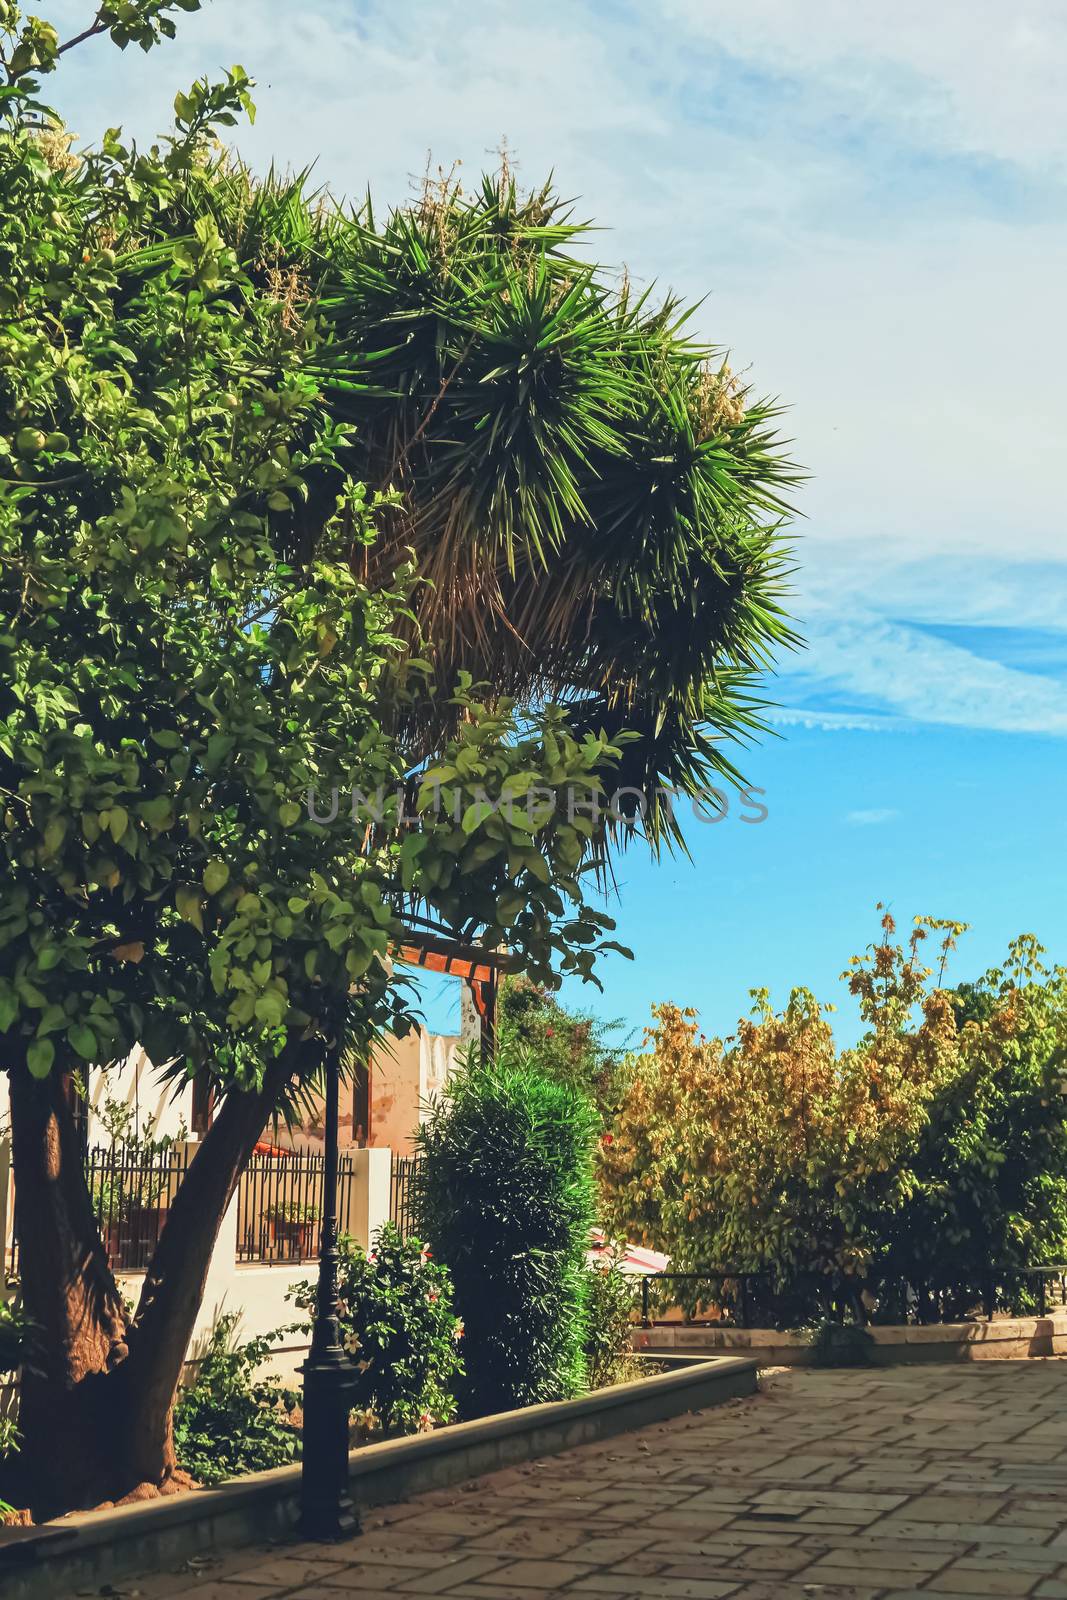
(160, 1109)
(257, 1292)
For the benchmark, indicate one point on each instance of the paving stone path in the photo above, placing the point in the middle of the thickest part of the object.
(847, 1485)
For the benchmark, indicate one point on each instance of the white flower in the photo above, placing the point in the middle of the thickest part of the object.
(353, 1342)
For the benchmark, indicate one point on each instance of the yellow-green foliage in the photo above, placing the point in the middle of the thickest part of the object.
(939, 1137)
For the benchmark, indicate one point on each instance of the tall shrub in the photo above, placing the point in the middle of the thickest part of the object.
(505, 1198)
(574, 1046)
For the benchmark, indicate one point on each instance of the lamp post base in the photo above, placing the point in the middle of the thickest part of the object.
(326, 1509)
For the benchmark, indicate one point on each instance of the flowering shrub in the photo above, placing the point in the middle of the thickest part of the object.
(401, 1331)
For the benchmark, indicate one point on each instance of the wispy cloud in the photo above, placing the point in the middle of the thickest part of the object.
(910, 673)
(872, 818)
(874, 199)
(784, 716)
(891, 669)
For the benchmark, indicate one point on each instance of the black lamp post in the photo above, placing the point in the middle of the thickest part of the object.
(326, 1509)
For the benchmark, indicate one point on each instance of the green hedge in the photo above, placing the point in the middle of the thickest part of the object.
(504, 1196)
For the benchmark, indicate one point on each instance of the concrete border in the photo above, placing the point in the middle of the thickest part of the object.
(1002, 1339)
(90, 1549)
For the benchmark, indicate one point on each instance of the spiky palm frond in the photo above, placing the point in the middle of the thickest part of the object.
(596, 507)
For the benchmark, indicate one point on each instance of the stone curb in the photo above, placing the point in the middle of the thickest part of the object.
(90, 1549)
(1010, 1339)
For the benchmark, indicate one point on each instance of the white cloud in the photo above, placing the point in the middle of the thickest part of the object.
(874, 198)
(875, 663)
(873, 818)
(832, 721)
(966, 74)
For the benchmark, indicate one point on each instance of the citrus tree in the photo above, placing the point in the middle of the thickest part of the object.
(293, 503)
(180, 672)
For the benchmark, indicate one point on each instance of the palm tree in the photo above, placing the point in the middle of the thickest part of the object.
(595, 503)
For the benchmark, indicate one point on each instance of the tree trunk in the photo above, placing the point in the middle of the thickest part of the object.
(71, 1295)
(174, 1284)
(96, 1413)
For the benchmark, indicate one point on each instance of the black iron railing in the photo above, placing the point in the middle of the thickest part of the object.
(402, 1194)
(279, 1205)
(131, 1189)
(762, 1299)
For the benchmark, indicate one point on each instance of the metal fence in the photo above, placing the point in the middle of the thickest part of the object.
(132, 1187)
(279, 1202)
(761, 1300)
(402, 1194)
(279, 1206)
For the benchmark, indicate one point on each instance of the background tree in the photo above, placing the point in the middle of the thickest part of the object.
(593, 499)
(930, 1150)
(574, 1047)
(991, 1163)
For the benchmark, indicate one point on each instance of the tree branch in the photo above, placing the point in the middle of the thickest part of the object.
(96, 27)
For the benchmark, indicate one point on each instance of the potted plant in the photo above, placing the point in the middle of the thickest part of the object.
(131, 1204)
(293, 1227)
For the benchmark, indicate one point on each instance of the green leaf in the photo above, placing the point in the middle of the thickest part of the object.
(219, 746)
(189, 901)
(158, 812)
(289, 813)
(54, 834)
(357, 962)
(272, 1008)
(40, 1056)
(216, 875)
(82, 1039)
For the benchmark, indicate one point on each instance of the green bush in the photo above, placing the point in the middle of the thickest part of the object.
(573, 1047)
(990, 1165)
(14, 1336)
(15, 1332)
(609, 1356)
(837, 1344)
(504, 1194)
(231, 1421)
(400, 1328)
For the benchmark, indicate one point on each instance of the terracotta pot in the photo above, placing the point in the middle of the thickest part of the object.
(292, 1237)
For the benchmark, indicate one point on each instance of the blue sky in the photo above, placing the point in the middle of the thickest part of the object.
(872, 200)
